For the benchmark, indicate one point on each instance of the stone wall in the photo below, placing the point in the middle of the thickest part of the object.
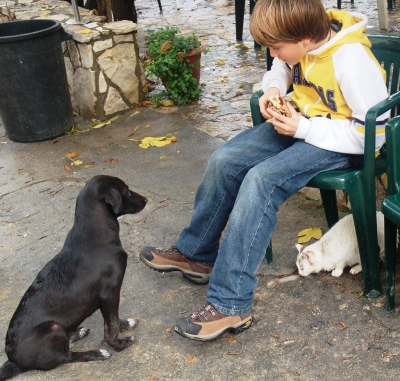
(104, 72)
(103, 69)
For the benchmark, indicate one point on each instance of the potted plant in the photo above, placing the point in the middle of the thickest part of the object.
(175, 59)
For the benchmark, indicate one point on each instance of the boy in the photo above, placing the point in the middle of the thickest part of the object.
(326, 57)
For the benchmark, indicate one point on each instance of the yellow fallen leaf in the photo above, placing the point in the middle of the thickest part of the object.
(78, 162)
(306, 234)
(101, 125)
(166, 46)
(113, 119)
(71, 155)
(213, 106)
(220, 62)
(85, 31)
(146, 104)
(229, 43)
(167, 103)
(159, 141)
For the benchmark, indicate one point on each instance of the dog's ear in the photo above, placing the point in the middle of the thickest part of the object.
(113, 198)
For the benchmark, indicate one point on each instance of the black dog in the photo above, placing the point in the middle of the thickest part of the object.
(86, 275)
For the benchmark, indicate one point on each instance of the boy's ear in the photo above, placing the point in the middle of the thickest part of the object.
(306, 41)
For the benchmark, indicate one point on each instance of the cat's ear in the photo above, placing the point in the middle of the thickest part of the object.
(310, 256)
(299, 247)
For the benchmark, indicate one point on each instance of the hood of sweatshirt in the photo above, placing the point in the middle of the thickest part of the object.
(353, 27)
(314, 79)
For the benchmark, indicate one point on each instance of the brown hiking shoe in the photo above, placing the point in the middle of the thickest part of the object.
(166, 260)
(208, 324)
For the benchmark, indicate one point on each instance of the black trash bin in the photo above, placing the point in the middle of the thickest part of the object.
(35, 103)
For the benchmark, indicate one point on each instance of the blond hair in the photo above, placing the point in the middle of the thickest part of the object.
(275, 21)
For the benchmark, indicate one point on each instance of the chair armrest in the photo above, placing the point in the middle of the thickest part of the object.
(370, 128)
(255, 108)
(370, 124)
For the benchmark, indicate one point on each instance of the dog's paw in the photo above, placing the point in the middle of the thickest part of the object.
(128, 324)
(104, 354)
(132, 323)
(124, 343)
(80, 333)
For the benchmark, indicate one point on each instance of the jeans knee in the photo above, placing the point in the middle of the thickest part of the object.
(257, 178)
(219, 159)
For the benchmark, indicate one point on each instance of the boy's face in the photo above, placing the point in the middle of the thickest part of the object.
(289, 52)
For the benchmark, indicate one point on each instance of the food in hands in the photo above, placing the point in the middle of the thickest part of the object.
(277, 104)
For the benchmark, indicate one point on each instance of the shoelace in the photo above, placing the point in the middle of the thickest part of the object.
(204, 312)
(167, 251)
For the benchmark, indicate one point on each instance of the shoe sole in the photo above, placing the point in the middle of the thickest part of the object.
(192, 276)
(240, 327)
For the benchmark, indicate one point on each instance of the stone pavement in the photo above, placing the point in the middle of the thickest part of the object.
(308, 329)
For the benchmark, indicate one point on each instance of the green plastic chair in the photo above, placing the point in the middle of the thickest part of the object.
(239, 15)
(359, 182)
(391, 207)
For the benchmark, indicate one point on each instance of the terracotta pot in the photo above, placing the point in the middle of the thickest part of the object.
(193, 58)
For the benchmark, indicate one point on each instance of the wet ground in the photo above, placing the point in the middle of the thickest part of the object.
(308, 329)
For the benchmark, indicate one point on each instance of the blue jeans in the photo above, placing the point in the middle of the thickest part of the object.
(246, 181)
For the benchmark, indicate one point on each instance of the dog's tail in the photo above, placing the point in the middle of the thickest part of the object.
(9, 369)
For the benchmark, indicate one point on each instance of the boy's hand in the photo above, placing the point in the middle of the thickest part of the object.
(263, 101)
(283, 124)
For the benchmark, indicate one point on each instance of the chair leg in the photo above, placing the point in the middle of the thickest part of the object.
(390, 5)
(362, 202)
(330, 206)
(269, 59)
(390, 262)
(159, 5)
(257, 46)
(239, 18)
(339, 4)
(268, 253)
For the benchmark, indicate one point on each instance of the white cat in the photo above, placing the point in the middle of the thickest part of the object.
(336, 249)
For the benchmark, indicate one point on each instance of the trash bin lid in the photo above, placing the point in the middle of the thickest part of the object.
(25, 29)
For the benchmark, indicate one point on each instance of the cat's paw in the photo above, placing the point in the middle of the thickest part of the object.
(356, 269)
(337, 272)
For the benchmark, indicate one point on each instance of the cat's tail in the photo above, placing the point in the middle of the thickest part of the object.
(10, 369)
